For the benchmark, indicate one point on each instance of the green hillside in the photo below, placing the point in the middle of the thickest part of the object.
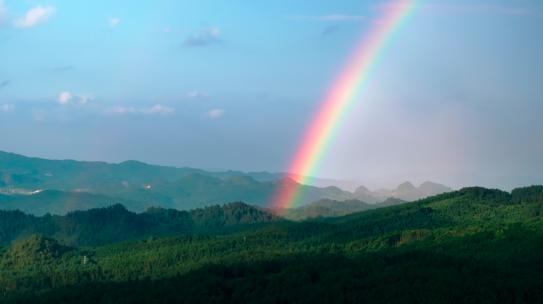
(474, 245)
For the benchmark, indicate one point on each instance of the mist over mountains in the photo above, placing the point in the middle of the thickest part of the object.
(39, 186)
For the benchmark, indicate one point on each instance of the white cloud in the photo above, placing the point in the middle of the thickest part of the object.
(6, 108)
(35, 16)
(331, 17)
(215, 113)
(65, 97)
(154, 110)
(114, 21)
(205, 37)
(195, 94)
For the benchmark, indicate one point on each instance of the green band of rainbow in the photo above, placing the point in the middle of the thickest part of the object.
(341, 95)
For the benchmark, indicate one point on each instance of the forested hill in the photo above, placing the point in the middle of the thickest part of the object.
(115, 223)
(474, 245)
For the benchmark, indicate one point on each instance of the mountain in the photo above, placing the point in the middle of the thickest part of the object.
(40, 186)
(391, 201)
(364, 194)
(431, 189)
(405, 191)
(472, 245)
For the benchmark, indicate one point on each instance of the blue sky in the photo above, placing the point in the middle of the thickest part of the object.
(218, 85)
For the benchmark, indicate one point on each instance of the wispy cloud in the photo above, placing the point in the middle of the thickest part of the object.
(4, 84)
(195, 94)
(6, 108)
(114, 21)
(35, 16)
(330, 17)
(215, 113)
(204, 37)
(154, 110)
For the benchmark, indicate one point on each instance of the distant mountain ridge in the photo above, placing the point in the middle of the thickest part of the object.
(138, 185)
(23, 169)
(405, 191)
(39, 186)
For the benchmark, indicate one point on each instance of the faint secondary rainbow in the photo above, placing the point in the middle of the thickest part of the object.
(343, 92)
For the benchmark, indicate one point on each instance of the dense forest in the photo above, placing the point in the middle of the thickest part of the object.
(474, 245)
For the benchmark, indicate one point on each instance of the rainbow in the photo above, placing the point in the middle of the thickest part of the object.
(340, 96)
